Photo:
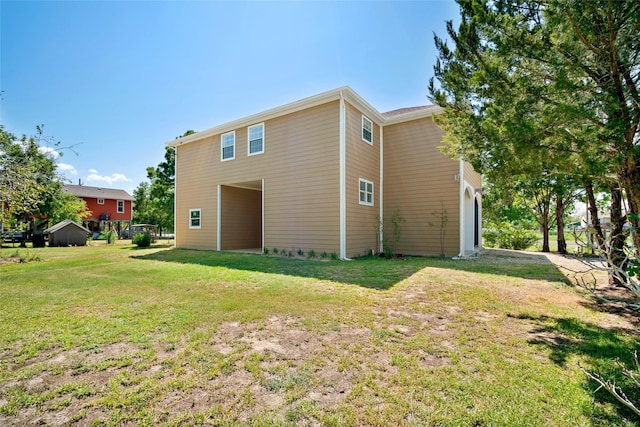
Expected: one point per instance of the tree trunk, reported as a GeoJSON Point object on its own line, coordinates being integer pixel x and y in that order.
{"type": "Point", "coordinates": [545, 232]}
{"type": "Point", "coordinates": [562, 243]}
{"type": "Point", "coordinates": [593, 213]}
{"type": "Point", "coordinates": [618, 236]}
{"type": "Point", "coordinates": [630, 179]}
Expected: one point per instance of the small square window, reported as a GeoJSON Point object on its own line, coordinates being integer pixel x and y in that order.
{"type": "Point", "coordinates": [101, 201]}
{"type": "Point", "coordinates": [194, 218]}
{"type": "Point", "coordinates": [366, 192]}
{"type": "Point", "coordinates": [228, 146]}
{"type": "Point", "coordinates": [367, 130]}
{"type": "Point", "coordinates": [256, 139]}
{"type": "Point", "coordinates": [120, 206]}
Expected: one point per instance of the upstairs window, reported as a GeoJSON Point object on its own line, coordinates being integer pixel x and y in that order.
{"type": "Point", "coordinates": [366, 192]}
{"type": "Point", "coordinates": [194, 218]}
{"type": "Point", "coordinates": [120, 206]}
{"type": "Point", "coordinates": [101, 201]}
{"type": "Point", "coordinates": [367, 130]}
{"type": "Point", "coordinates": [256, 139]}
{"type": "Point", "coordinates": [228, 146]}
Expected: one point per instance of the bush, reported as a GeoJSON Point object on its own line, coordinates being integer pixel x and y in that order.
{"type": "Point", "coordinates": [142, 240]}
{"type": "Point", "coordinates": [509, 236]}
{"type": "Point", "coordinates": [109, 235]}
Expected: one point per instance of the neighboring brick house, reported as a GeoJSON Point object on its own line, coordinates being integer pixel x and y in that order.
{"type": "Point", "coordinates": [109, 207]}
{"type": "Point", "coordinates": [321, 173]}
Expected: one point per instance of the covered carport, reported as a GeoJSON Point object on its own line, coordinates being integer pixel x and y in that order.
{"type": "Point", "coordinates": [240, 216]}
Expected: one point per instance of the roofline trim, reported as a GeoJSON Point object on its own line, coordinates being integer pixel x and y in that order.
{"type": "Point", "coordinates": [313, 101]}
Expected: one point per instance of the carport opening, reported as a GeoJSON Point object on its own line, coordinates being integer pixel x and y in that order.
{"type": "Point", "coordinates": [241, 217]}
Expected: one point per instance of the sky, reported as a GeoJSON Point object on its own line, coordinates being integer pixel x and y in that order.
{"type": "Point", "coordinates": [114, 81]}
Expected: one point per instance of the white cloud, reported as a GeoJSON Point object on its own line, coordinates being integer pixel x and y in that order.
{"type": "Point", "coordinates": [66, 168]}
{"type": "Point", "coordinates": [48, 151]}
{"type": "Point", "coordinates": [109, 179]}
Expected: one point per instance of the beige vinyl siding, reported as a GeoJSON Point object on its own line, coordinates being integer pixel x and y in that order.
{"type": "Point", "coordinates": [420, 181]}
{"type": "Point", "coordinates": [195, 190]}
{"type": "Point", "coordinates": [302, 192]}
{"type": "Point", "coordinates": [299, 167]}
{"type": "Point", "coordinates": [242, 218]}
{"type": "Point", "coordinates": [473, 178]}
{"type": "Point", "coordinates": [362, 161]}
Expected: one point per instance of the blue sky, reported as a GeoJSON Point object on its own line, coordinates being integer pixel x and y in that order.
{"type": "Point", "coordinates": [119, 79]}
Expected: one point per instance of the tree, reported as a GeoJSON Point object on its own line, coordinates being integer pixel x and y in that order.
{"type": "Point", "coordinates": [553, 80]}
{"type": "Point", "coordinates": [154, 200]}
{"type": "Point", "coordinates": [30, 188]}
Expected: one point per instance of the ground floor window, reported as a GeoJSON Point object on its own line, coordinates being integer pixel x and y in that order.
{"type": "Point", "coordinates": [194, 218]}
{"type": "Point", "coordinates": [366, 192]}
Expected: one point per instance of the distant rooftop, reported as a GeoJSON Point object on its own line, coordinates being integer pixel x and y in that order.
{"type": "Point", "coordinates": [97, 192]}
{"type": "Point", "coordinates": [401, 111]}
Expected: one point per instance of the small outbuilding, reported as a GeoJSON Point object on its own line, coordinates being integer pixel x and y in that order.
{"type": "Point", "coordinates": [67, 233]}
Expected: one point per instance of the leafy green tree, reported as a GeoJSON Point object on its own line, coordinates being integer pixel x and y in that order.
{"type": "Point", "coordinates": [553, 80]}
{"type": "Point", "coordinates": [30, 189]}
{"type": "Point", "coordinates": [154, 200]}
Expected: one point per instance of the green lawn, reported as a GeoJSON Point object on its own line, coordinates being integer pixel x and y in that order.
{"type": "Point", "coordinates": [117, 335]}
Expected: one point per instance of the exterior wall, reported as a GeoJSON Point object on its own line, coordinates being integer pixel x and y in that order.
{"type": "Point", "coordinates": [300, 169]}
{"type": "Point", "coordinates": [473, 178]}
{"type": "Point", "coordinates": [68, 236]}
{"type": "Point", "coordinates": [241, 218]}
{"type": "Point", "coordinates": [110, 207]}
{"type": "Point", "coordinates": [362, 161]}
{"type": "Point", "coordinates": [420, 182]}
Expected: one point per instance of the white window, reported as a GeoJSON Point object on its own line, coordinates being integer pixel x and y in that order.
{"type": "Point", "coordinates": [120, 206]}
{"type": "Point", "coordinates": [255, 136]}
{"type": "Point", "coordinates": [366, 192]}
{"type": "Point", "coordinates": [101, 201]}
{"type": "Point", "coordinates": [194, 218]}
{"type": "Point", "coordinates": [228, 144]}
{"type": "Point", "coordinates": [367, 130]}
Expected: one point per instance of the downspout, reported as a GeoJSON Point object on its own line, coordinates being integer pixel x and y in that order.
{"type": "Point", "coordinates": [461, 207]}
{"type": "Point", "coordinates": [381, 189]}
{"type": "Point", "coordinates": [219, 213]}
{"type": "Point", "coordinates": [262, 250]}
{"type": "Point", "coordinates": [175, 200]}
{"type": "Point", "coordinates": [343, 174]}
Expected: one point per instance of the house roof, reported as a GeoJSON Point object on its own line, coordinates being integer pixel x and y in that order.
{"type": "Point", "coordinates": [345, 92]}
{"type": "Point", "coordinates": [63, 224]}
{"type": "Point", "coordinates": [97, 192]}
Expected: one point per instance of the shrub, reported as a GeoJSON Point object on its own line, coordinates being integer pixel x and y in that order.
{"type": "Point", "coordinates": [142, 240]}
{"type": "Point", "coordinates": [334, 256]}
{"type": "Point", "coordinates": [300, 252]}
{"type": "Point", "coordinates": [509, 236]}
{"type": "Point", "coordinates": [324, 255]}
{"type": "Point", "coordinates": [266, 251]}
{"type": "Point", "coordinates": [275, 251]}
{"type": "Point", "coordinates": [109, 235]}
{"type": "Point", "coordinates": [311, 254]}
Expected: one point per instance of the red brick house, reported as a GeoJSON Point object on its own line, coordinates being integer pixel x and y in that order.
{"type": "Point", "coordinates": [109, 207]}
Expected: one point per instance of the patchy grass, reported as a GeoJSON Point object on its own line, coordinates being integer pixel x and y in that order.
{"type": "Point", "coordinates": [110, 335]}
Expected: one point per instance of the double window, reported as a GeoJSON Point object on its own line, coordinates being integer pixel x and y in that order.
{"type": "Point", "coordinates": [194, 218]}
{"type": "Point", "coordinates": [228, 146]}
{"type": "Point", "coordinates": [367, 130]}
{"type": "Point", "coordinates": [255, 136]}
{"type": "Point", "coordinates": [120, 208]}
{"type": "Point", "coordinates": [101, 201]}
{"type": "Point", "coordinates": [366, 192]}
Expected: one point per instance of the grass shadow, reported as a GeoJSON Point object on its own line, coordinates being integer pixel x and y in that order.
{"type": "Point", "coordinates": [370, 272]}
{"type": "Point", "coordinates": [597, 347]}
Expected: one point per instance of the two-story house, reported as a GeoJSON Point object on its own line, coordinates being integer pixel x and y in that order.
{"type": "Point", "coordinates": [109, 207]}
{"type": "Point", "coordinates": [323, 173]}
